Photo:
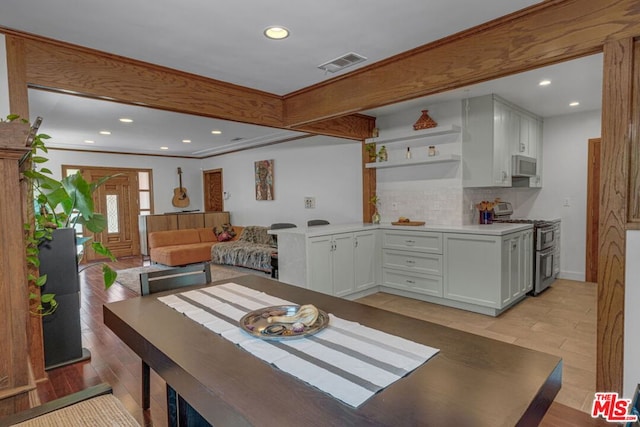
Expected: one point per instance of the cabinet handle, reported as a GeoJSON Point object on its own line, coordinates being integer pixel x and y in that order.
{"type": "Point", "coordinates": [355, 243]}
{"type": "Point", "coordinates": [410, 261]}
{"type": "Point", "coordinates": [411, 282]}
{"type": "Point", "coordinates": [410, 242]}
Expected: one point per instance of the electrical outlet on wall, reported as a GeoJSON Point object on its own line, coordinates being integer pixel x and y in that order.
{"type": "Point", "coordinates": [309, 202]}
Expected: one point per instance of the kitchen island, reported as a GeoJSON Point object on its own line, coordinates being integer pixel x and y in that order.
{"type": "Point", "coordinates": [481, 268]}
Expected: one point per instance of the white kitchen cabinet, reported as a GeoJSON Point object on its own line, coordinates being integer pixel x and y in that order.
{"type": "Point", "coordinates": [494, 131]}
{"type": "Point", "coordinates": [484, 269]}
{"type": "Point", "coordinates": [341, 264]}
{"type": "Point", "coordinates": [320, 264]}
{"type": "Point", "coordinates": [487, 270]}
{"type": "Point", "coordinates": [512, 280]}
{"type": "Point", "coordinates": [365, 259]}
{"type": "Point", "coordinates": [529, 141]}
{"type": "Point", "coordinates": [424, 241]}
{"type": "Point", "coordinates": [412, 282]}
{"type": "Point", "coordinates": [487, 132]}
{"type": "Point", "coordinates": [412, 261]}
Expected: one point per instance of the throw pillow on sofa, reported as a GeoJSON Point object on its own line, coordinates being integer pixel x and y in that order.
{"type": "Point", "coordinates": [226, 231]}
{"type": "Point", "coordinates": [225, 236]}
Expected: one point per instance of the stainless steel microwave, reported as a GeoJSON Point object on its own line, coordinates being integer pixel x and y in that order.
{"type": "Point", "coordinates": [523, 166]}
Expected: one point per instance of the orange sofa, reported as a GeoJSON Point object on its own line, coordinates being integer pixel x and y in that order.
{"type": "Point", "coordinates": [186, 246]}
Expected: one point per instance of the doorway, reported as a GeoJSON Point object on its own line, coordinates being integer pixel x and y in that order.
{"type": "Point", "coordinates": [213, 195]}
{"type": "Point", "coordinates": [593, 210]}
{"type": "Point", "coordinates": [118, 200]}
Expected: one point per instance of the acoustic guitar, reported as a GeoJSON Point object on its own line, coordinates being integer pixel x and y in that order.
{"type": "Point", "coordinates": [180, 198]}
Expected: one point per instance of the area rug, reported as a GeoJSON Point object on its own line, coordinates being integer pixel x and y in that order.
{"type": "Point", "coordinates": [130, 277]}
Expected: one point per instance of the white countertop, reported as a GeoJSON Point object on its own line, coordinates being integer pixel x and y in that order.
{"type": "Point", "coordinates": [495, 229]}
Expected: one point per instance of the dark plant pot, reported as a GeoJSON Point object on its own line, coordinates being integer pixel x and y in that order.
{"type": "Point", "coordinates": [61, 330]}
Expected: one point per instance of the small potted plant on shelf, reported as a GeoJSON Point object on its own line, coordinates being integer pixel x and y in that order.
{"type": "Point", "coordinates": [370, 148]}
{"type": "Point", "coordinates": [375, 218]}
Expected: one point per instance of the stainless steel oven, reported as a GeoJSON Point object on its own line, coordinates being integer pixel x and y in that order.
{"type": "Point", "coordinates": [544, 272]}
{"type": "Point", "coordinates": [545, 235]}
{"type": "Point", "coordinates": [546, 245]}
{"type": "Point", "coordinates": [547, 239]}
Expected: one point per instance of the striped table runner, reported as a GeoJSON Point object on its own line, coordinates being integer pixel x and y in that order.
{"type": "Point", "coordinates": [349, 361]}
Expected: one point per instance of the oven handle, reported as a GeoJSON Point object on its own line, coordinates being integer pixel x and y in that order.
{"type": "Point", "coordinates": [547, 251]}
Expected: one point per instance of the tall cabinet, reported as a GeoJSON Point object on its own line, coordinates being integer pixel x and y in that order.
{"type": "Point", "coordinates": [494, 131]}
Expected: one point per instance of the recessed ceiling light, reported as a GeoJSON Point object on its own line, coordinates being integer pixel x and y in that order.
{"type": "Point", "coordinates": [88, 141]}
{"type": "Point", "coordinates": [164, 148]}
{"type": "Point", "coordinates": [545, 83]}
{"type": "Point", "coordinates": [276, 33]}
{"type": "Point", "coordinates": [126, 120]}
{"type": "Point", "coordinates": [105, 132]}
{"type": "Point", "coordinates": [574, 104]}
{"type": "Point", "coordinates": [216, 132]}
{"type": "Point", "coordinates": [186, 141]}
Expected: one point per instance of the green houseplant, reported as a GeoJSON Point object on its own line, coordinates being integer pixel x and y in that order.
{"type": "Point", "coordinates": [375, 218]}
{"type": "Point", "coordinates": [61, 203]}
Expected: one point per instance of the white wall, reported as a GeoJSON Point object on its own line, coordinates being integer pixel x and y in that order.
{"type": "Point", "coordinates": [321, 167]}
{"type": "Point", "coordinates": [631, 367]}
{"type": "Point", "coordinates": [564, 177]}
{"type": "Point", "coordinates": [4, 79]}
{"type": "Point", "coordinates": [164, 170]}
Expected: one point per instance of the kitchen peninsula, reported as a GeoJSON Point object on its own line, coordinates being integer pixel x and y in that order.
{"type": "Point", "coordinates": [480, 268]}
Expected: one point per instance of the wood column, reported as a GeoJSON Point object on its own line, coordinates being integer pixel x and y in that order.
{"type": "Point", "coordinates": [616, 125]}
{"type": "Point", "coordinates": [14, 365]}
{"type": "Point", "coordinates": [369, 186]}
{"type": "Point", "coordinates": [19, 104]}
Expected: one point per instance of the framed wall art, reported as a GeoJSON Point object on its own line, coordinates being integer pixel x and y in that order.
{"type": "Point", "coordinates": [264, 179]}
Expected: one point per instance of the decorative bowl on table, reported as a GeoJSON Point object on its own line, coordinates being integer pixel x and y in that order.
{"type": "Point", "coordinates": [281, 322]}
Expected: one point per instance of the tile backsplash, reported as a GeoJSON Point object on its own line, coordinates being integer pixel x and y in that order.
{"type": "Point", "coordinates": [442, 205]}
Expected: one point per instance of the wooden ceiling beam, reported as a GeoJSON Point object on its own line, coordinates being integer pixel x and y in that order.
{"type": "Point", "coordinates": [547, 33]}
{"type": "Point", "coordinates": [354, 126]}
{"type": "Point", "coordinates": [88, 72]}
{"type": "Point", "coordinates": [61, 66]}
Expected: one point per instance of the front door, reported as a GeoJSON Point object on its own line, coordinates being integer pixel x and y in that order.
{"type": "Point", "coordinates": [117, 199]}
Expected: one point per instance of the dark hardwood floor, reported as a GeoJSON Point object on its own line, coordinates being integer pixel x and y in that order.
{"type": "Point", "coordinates": [114, 363]}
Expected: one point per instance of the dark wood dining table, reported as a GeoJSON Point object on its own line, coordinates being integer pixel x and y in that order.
{"type": "Point", "coordinates": [472, 381]}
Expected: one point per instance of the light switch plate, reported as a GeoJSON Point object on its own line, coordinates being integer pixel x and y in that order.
{"type": "Point", "coordinates": [309, 202]}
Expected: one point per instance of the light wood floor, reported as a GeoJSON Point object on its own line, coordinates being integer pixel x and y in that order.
{"type": "Point", "coordinates": [560, 321]}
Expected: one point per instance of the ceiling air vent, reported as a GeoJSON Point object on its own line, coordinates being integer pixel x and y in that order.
{"type": "Point", "coordinates": [344, 61]}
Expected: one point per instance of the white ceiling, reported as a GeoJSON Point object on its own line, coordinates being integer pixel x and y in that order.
{"type": "Point", "coordinates": [223, 40]}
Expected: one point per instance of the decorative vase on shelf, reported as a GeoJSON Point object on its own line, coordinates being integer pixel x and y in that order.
{"type": "Point", "coordinates": [375, 218]}
{"type": "Point", "coordinates": [424, 122]}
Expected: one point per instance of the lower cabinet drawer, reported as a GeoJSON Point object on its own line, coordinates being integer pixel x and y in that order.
{"type": "Point", "coordinates": [413, 261]}
{"type": "Point", "coordinates": [421, 283]}
{"type": "Point", "coordinates": [422, 241]}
